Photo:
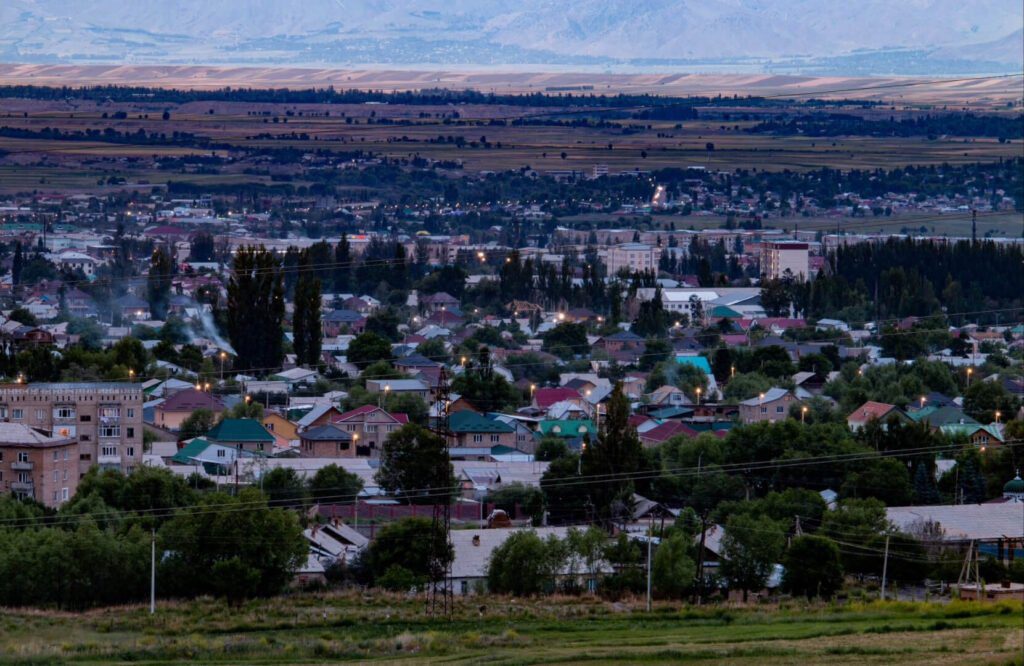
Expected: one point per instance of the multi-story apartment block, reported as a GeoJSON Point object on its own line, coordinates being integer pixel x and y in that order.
{"type": "Point", "coordinates": [634, 257]}
{"type": "Point", "coordinates": [105, 418]}
{"type": "Point", "coordinates": [779, 258]}
{"type": "Point", "coordinates": [36, 465]}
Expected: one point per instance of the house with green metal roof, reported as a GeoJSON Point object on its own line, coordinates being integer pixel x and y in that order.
{"type": "Point", "coordinates": [215, 459]}
{"type": "Point", "coordinates": [976, 433]}
{"type": "Point", "coordinates": [475, 430]}
{"type": "Point", "coordinates": [246, 434]}
{"type": "Point", "coordinates": [571, 430]}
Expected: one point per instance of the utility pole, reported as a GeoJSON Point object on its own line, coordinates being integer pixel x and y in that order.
{"type": "Point", "coordinates": [650, 538]}
{"type": "Point", "coordinates": [152, 572]}
{"type": "Point", "coordinates": [974, 225]}
{"type": "Point", "coordinates": [885, 566]}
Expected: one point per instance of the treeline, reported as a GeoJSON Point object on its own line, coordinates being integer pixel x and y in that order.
{"type": "Point", "coordinates": [951, 124]}
{"type": "Point", "coordinates": [96, 549]}
{"type": "Point", "coordinates": [110, 135]}
{"type": "Point", "coordinates": [425, 97]}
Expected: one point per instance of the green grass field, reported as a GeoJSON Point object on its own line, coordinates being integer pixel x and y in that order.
{"type": "Point", "coordinates": [328, 628]}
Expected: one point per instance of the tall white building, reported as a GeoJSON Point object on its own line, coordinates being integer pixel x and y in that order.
{"type": "Point", "coordinates": [777, 257]}
{"type": "Point", "coordinates": [637, 257]}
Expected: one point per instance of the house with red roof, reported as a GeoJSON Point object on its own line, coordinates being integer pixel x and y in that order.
{"type": "Point", "coordinates": [543, 398]}
{"type": "Point", "coordinates": [369, 426]}
{"type": "Point", "coordinates": [880, 411]}
{"type": "Point", "coordinates": [665, 432]}
{"type": "Point", "coordinates": [170, 413]}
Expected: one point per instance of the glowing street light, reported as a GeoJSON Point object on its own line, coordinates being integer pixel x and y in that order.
{"type": "Point", "coordinates": [923, 400]}
{"type": "Point", "coordinates": [803, 414]}
{"type": "Point", "coordinates": [698, 395]}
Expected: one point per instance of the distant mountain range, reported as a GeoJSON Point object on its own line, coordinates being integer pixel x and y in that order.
{"type": "Point", "coordinates": [811, 36]}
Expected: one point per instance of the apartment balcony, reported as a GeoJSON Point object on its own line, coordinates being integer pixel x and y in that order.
{"type": "Point", "coordinates": [109, 461]}
{"type": "Point", "coordinates": [27, 487]}
{"type": "Point", "coordinates": [22, 466]}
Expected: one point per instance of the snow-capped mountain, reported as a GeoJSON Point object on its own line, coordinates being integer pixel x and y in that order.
{"type": "Point", "coordinates": [605, 33]}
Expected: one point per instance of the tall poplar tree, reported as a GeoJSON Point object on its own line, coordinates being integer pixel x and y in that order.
{"type": "Point", "coordinates": [306, 327]}
{"type": "Point", "coordinates": [158, 283]}
{"type": "Point", "coordinates": [256, 309]}
{"type": "Point", "coordinates": [615, 456]}
{"type": "Point", "coordinates": [342, 266]}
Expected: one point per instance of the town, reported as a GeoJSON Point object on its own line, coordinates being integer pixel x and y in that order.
{"type": "Point", "coordinates": [332, 373]}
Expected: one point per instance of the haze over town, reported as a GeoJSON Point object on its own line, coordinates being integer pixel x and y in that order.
{"type": "Point", "coordinates": [377, 331]}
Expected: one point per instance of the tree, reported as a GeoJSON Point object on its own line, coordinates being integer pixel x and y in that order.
{"type": "Point", "coordinates": [655, 351]}
{"type": "Point", "coordinates": [283, 487]}
{"type": "Point", "coordinates": [342, 266]}
{"type": "Point", "coordinates": [335, 485]}
{"type": "Point", "coordinates": [158, 283]}
{"type": "Point", "coordinates": [750, 549]}
{"type": "Point", "coordinates": [250, 544]}
{"type": "Point", "coordinates": [925, 491]}
{"type": "Point", "coordinates": [256, 310]}
{"type": "Point", "coordinates": [17, 264]}
{"type": "Point", "coordinates": [306, 329]}
{"type": "Point", "coordinates": [414, 466]}
{"type": "Point", "coordinates": [197, 424]}
{"type": "Point", "coordinates": [672, 571]}
{"type": "Point", "coordinates": [551, 448]}
{"type": "Point", "coordinates": [745, 386]}
{"type": "Point", "coordinates": [652, 319]}
{"type": "Point", "coordinates": [860, 521]}
{"type": "Point", "coordinates": [22, 315]}
{"type": "Point", "coordinates": [367, 348]}
{"type": "Point", "coordinates": [516, 499]}
{"type": "Point", "coordinates": [202, 247]}
{"type": "Point", "coordinates": [812, 567]}
{"type": "Point", "coordinates": [616, 455]}
{"type": "Point", "coordinates": [524, 564]}
{"type": "Point", "coordinates": [408, 545]}
{"type": "Point", "coordinates": [566, 340]}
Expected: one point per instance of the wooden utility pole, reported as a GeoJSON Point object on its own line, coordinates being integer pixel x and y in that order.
{"type": "Point", "coordinates": [885, 566]}
{"type": "Point", "coordinates": [650, 538]}
{"type": "Point", "coordinates": [152, 572]}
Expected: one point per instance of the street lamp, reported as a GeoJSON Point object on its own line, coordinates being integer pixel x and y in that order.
{"type": "Point", "coordinates": [223, 357]}
{"type": "Point", "coordinates": [803, 414]}
{"type": "Point", "coordinates": [131, 375]}
{"type": "Point", "coordinates": [923, 400]}
{"type": "Point", "coordinates": [698, 395]}
{"type": "Point", "coordinates": [732, 372]}
{"type": "Point", "coordinates": [970, 371]}
{"type": "Point", "coordinates": [998, 414]}
{"type": "Point", "coordinates": [579, 461]}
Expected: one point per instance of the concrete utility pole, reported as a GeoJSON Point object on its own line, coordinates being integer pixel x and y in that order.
{"type": "Point", "coordinates": [152, 572]}
{"type": "Point", "coordinates": [650, 537]}
{"type": "Point", "coordinates": [885, 566]}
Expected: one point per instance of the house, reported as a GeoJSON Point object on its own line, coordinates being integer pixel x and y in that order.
{"type": "Point", "coordinates": [414, 387]}
{"type": "Point", "coordinates": [772, 405]}
{"type": "Point", "coordinates": [668, 396]}
{"type": "Point", "coordinates": [280, 426]}
{"type": "Point", "coordinates": [319, 414]}
{"type": "Point", "coordinates": [215, 459]}
{"type": "Point", "coordinates": [621, 341]}
{"type": "Point", "coordinates": [326, 441]}
{"type": "Point", "coordinates": [296, 377]}
{"type": "Point", "coordinates": [337, 322]}
{"type": "Point", "coordinates": [543, 398]}
{"type": "Point", "coordinates": [36, 465]}
{"type": "Point", "coordinates": [470, 429]}
{"type": "Point", "coordinates": [571, 431]}
{"type": "Point", "coordinates": [473, 548]}
{"type": "Point", "coordinates": [439, 301]}
{"type": "Point", "coordinates": [244, 434]}
{"type": "Point", "coordinates": [666, 431]}
{"type": "Point", "coordinates": [369, 426]}
{"type": "Point", "coordinates": [882, 412]}
{"type": "Point", "coordinates": [131, 308]}
{"type": "Point", "coordinates": [977, 434]}
{"type": "Point", "coordinates": [177, 407]}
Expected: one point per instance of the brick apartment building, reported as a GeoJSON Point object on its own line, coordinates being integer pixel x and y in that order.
{"type": "Point", "coordinates": [105, 418]}
{"type": "Point", "coordinates": [36, 465]}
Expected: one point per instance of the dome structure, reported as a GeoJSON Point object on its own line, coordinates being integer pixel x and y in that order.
{"type": "Point", "coordinates": [1014, 489]}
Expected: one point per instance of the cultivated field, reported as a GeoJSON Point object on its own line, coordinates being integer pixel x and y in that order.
{"type": "Point", "coordinates": [394, 629]}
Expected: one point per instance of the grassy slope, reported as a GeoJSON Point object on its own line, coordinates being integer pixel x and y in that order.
{"type": "Point", "coordinates": [327, 628]}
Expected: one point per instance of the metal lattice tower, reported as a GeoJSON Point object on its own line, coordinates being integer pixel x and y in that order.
{"type": "Point", "coordinates": [440, 563]}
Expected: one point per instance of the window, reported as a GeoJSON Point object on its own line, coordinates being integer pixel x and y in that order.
{"type": "Point", "coordinates": [478, 438]}
{"type": "Point", "coordinates": [130, 412]}
{"type": "Point", "coordinates": [22, 456]}
{"type": "Point", "coordinates": [65, 454]}
{"type": "Point", "coordinates": [64, 494]}
{"type": "Point", "coordinates": [110, 430]}
{"type": "Point", "coordinates": [17, 414]}
{"type": "Point", "coordinates": [109, 413]}
{"type": "Point", "coordinates": [40, 414]}
{"type": "Point", "coordinates": [131, 451]}
{"type": "Point", "coordinates": [55, 454]}
{"type": "Point", "coordinates": [64, 413]}
{"type": "Point", "coordinates": [129, 432]}
{"type": "Point", "coordinates": [370, 427]}
{"type": "Point", "coordinates": [65, 475]}
{"type": "Point", "coordinates": [66, 431]}
{"type": "Point", "coordinates": [85, 456]}
{"type": "Point", "coordinates": [85, 418]}
{"type": "Point", "coordinates": [764, 410]}
{"type": "Point", "coordinates": [495, 438]}
{"type": "Point", "coordinates": [220, 453]}
{"type": "Point", "coordinates": [269, 426]}
{"type": "Point", "coordinates": [24, 477]}
{"type": "Point", "coordinates": [56, 476]}
{"type": "Point", "coordinates": [1, 456]}
{"type": "Point", "coordinates": [108, 450]}
{"type": "Point", "coordinates": [780, 409]}
{"type": "Point", "coordinates": [84, 438]}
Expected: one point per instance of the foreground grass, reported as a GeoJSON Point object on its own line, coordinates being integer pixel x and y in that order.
{"type": "Point", "coordinates": [324, 628]}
